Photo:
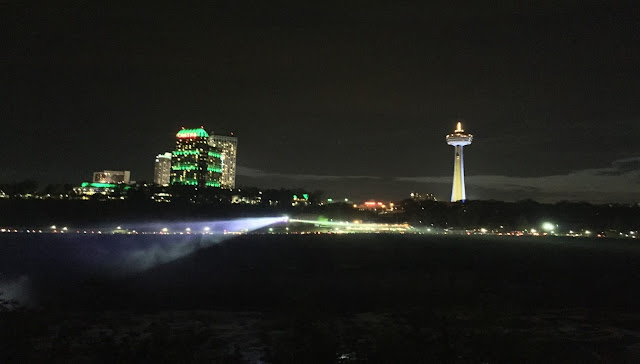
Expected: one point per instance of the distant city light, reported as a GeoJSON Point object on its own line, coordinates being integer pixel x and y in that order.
{"type": "Point", "coordinates": [547, 226]}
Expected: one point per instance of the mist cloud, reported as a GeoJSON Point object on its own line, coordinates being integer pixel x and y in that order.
{"type": "Point", "coordinates": [621, 179]}
{"type": "Point", "coordinates": [17, 292]}
{"type": "Point", "coordinates": [257, 173]}
{"type": "Point", "coordinates": [620, 182]}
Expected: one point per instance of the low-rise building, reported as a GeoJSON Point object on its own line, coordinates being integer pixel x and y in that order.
{"type": "Point", "coordinates": [112, 177]}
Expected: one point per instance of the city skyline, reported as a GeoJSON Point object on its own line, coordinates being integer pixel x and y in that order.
{"type": "Point", "coordinates": [350, 100]}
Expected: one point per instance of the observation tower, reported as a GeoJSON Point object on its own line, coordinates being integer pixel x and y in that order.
{"type": "Point", "coordinates": [458, 139]}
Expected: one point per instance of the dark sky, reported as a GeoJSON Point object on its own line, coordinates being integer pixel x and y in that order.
{"type": "Point", "coordinates": [354, 99]}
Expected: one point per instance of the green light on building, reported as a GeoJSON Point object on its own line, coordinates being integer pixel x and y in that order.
{"type": "Point", "coordinates": [188, 182]}
{"type": "Point", "coordinates": [184, 167]}
{"type": "Point", "coordinates": [192, 133]}
{"type": "Point", "coordinates": [195, 162]}
{"type": "Point", "coordinates": [99, 185]}
{"type": "Point", "coordinates": [186, 152]}
{"type": "Point", "coordinates": [104, 185]}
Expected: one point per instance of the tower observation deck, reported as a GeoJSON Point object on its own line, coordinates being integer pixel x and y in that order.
{"type": "Point", "coordinates": [458, 140]}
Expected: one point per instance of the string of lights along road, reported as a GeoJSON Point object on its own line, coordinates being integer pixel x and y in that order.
{"type": "Point", "coordinates": [458, 140]}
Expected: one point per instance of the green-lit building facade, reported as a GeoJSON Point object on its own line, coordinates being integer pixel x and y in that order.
{"type": "Point", "coordinates": [194, 162]}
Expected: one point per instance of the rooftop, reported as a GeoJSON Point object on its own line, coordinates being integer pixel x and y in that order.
{"type": "Point", "coordinates": [193, 133]}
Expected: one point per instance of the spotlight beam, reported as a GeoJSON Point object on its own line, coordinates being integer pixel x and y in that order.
{"type": "Point", "coordinates": [135, 256]}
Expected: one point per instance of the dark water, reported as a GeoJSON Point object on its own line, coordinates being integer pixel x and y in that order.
{"type": "Point", "coordinates": [319, 298]}
{"type": "Point", "coordinates": [363, 271]}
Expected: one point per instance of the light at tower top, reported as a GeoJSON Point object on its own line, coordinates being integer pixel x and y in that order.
{"type": "Point", "coordinates": [459, 137]}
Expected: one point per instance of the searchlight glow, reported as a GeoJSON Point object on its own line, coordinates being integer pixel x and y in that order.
{"type": "Point", "coordinates": [126, 257]}
{"type": "Point", "coordinates": [547, 226]}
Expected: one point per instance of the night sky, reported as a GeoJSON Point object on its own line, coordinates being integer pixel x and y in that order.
{"type": "Point", "coordinates": [354, 99]}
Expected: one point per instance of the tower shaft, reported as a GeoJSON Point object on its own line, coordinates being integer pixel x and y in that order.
{"type": "Point", "coordinates": [457, 191]}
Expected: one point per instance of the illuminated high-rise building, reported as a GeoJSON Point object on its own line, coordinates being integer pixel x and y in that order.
{"type": "Point", "coordinates": [194, 162]}
{"type": "Point", "coordinates": [228, 145]}
{"type": "Point", "coordinates": [458, 139]}
{"type": "Point", "coordinates": [162, 170]}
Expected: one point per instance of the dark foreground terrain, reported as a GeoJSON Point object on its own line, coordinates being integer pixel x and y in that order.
{"type": "Point", "coordinates": [319, 298]}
